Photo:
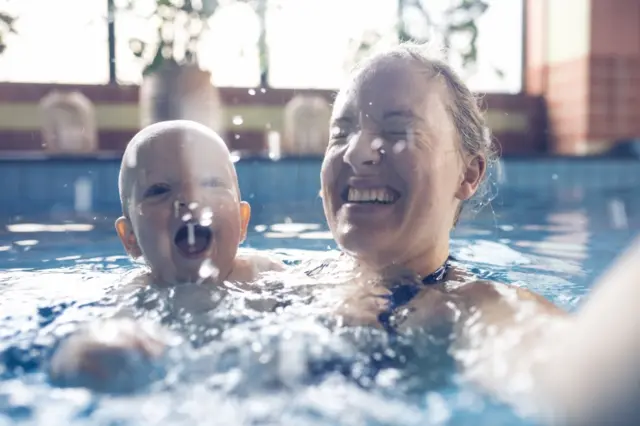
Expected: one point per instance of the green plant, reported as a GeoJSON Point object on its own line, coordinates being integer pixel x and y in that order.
{"type": "Point", "coordinates": [7, 26]}
{"type": "Point", "coordinates": [458, 20]}
{"type": "Point", "coordinates": [179, 24]}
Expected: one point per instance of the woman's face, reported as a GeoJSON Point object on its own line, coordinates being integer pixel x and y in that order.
{"type": "Point", "coordinates": [392, 176]}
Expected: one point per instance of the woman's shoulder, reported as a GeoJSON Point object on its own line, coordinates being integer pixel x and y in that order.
{"type": "Point", "coordinates": [486, 294]}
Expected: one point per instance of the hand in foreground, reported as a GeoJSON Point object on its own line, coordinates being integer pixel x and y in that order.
{"type": "Point", "coordinates": [117, 355]}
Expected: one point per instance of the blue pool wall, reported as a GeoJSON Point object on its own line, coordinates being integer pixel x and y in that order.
{"type": "Point", "coordinates": [41, 185]}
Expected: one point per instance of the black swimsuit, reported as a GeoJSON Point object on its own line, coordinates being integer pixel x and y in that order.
{"type": "Point", "coordinates": [403, 293]}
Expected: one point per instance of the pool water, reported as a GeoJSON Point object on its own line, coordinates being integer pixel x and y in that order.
{"type": "Point", "coordinates": [55, 276]}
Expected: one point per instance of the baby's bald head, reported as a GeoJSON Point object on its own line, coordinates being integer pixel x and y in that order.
{"type": "Point", "coordinates": [181, 202]}
{"type": "Point", "coordinates": [169, 150]}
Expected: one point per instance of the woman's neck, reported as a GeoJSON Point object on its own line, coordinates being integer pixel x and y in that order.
{"type": "Point", "coordinates": [422, 264]}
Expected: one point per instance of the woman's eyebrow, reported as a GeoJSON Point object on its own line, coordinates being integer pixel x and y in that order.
{"type": "Point", "coordinates": [401, 113]}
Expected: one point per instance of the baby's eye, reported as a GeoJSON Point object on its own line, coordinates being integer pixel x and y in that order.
{"type": "Point", "coordinates": [156, 190]}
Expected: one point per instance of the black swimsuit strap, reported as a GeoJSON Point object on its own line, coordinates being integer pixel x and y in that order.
{"type": "Point", "coordinates": [403, 293]}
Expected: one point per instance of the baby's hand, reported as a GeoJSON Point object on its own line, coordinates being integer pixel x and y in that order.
{"type": "Point", "coordinates": [112, 356]}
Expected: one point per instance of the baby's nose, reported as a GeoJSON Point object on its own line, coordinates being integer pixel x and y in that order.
{"type": "Point", "coordinates": [192, 211]}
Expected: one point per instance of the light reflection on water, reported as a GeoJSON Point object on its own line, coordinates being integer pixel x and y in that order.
{"type": "Point", "coordinates": [253, 367]}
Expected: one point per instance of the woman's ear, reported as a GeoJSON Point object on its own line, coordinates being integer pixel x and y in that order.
{"type": "Point", "coordinates": [245, 216]}
{"type": "Point", "coordinates": [128, 237]}
{"type": "Point", "coordinates": [472, 176]}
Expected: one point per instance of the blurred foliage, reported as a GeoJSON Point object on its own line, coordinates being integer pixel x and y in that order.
{"type": "Point", "coordinates": [458, 20]}
{"type": "Point", "coordinates": [179, 26]}
{"type": "Point", "coordinates": [7, 26]}
{"type": "Point", "coordinates": [260, 7]}
{"type": "Point", "coordinates": [175, 18]}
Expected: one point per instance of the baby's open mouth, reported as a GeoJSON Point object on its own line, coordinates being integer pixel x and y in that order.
{"type": "Point", "coordinates": [193, 239]}
{"type": "Point", "coordinates": [383, 195]}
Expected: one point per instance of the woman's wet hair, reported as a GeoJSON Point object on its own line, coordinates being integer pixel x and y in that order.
{"type": "Point", "coordinates": [464, 108]}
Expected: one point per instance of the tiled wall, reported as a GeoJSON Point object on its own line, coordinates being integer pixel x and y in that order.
{"type": "Point", "coordinates": [52, 187]}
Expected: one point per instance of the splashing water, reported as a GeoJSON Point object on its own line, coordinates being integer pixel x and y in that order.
{"type": "Point", "coordinates": [208, 270]}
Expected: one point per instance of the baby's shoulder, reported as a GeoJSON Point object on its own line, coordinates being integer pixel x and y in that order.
{"type": "Point", "coordinates": [250, 263]}
{"type": "Point", "coordinates": [260, 261]}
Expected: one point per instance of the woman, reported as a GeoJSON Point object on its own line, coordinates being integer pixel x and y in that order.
{"type": "Point", "coordinates": [408, 149]}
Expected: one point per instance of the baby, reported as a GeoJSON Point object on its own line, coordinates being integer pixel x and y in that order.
{"type": "Point", "coordinates": [182, 213]}
{"type": "Point", "coordinates": [181, 207]}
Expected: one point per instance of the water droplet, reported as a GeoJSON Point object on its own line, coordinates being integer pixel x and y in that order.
{"type": "Point", "coordinates": [554, 176]}
{"type": "Point", "coordinates": [193, 205]}
{"type": "Point", "coordinates": [618, 213]}
{"type": "Point", "coordinates": [191, 234]}
{"type": "Point", "coordinates": [263, 90]}
{"type": "Point", "coordinates": [376, 144]}
{"type": "Point", "coordinates": [260, 228]}
{"type": "Point", "coordinates": [186, 217]}
{"type": "Point", "coordinates": [207, 217]}
{"type": "Point", "coordinates": [399, 146]}
{"type": "Point", "coordinates": [237, 120]}
{"type": "Point", "coordinates": [252, 92]}
{"type": "Point", "coordinates": [273, 145]}
{"type": "Point", "coordinates": [382, 152]}
{"type": "Point", "coordinates": [131, 159]}
{"type": "Point", "coordinates": [235, 157]}
{"type": "Point", "coordinates": [236, 136]}
{"type": "Point", "coordinates": [208, 270]}
{"type": "Point", "coordinates": [370, 103]}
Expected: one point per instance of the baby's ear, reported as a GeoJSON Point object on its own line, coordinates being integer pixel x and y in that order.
{"type": "Point", "coordinates": [128, 237]}
{"type": "Point", "coordinates": [245, 215]}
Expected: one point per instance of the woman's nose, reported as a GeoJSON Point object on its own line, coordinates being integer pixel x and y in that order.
{"type": "Point", "coordinates": [363, 150]}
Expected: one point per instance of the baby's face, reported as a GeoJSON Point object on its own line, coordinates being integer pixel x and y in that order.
{"type": "Point", "coordinates": [185, 210]}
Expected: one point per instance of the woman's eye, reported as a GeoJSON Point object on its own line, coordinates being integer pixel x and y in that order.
{"type": "Point", "coordinates": [156, 190]}
{"type": "Point", "coordinates": [396, 134]}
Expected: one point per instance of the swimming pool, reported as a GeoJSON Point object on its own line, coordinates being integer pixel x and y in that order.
{"type": "Point", "coordinates": [56, 271]}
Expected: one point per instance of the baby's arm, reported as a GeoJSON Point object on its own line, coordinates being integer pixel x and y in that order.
{"type": "Point", "coordinates": [114, 354]}
{"type": "Point", "coordinates": [249, 265]}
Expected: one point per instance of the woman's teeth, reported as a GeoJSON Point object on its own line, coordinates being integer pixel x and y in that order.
{"type": "Point", "coordinates": [375, 195]}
